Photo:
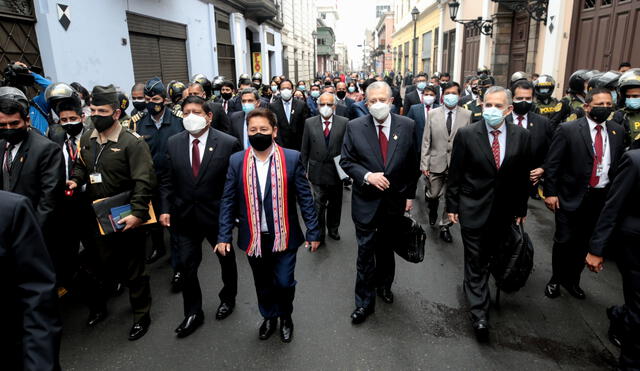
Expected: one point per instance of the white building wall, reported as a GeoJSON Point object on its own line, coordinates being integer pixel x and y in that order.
{"type": "Point", "coordinates": [299, 18]}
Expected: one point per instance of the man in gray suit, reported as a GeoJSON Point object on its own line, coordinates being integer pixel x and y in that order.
{"type": "Point", "coordinates": [321, 142]}
{"type": "Point", "coordinates": [437, 142]}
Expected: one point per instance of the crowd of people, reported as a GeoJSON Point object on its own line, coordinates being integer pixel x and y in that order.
{"type": "Point", "coordinates": [195, 160]}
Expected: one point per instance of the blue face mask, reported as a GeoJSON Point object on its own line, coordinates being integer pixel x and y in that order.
{"type": "Point", "coordinates": [421, 85]}
{"type": "Point", "coordinates": [315, 93]}
{"type": "Point", "coordinates": [632, 103]}
{"type": "Point", "coordinates": [450, 100]}
{"type": "Point", "coordinates": [274, 88]}
{"type": "Point", "coordinates": [352, 89]}
{"type": "Point", "coordinates": [614, 96]}
{"type": "Point", "coordinates": [248, 107]}
{"type": "Point", "coordinates": [301, 87]}
{"type": "Point", "coordinates": [492, 116]}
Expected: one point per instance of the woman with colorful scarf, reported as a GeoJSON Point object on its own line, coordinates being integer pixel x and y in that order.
{"type": "Point", "coordinates": [263, 184]}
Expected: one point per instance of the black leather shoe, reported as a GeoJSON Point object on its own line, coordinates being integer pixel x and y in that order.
{"type": "Point", "coordinates": [445, 235]}
{"type": "Point", "coordinates": [267, 328]}
{"type": "Point", "coordinates": [385, 294]}
{"type": "Point", "coordinates": [286, 330]}
{"type": "Point", "coordinates": [575, 291]}
{"type": "Point", "coordinates": [360, 315]}
{"type": "Point", "coordinates": [177, 282]}
{"type": "Point", "coordinates": [224, 310]}
{"type": "Point", "coordinates": [155, 255]}
{"type": "Point", "coordinates": [481, 329]}
{"type": "Point", "coordinates": [334, 236]}
{"type": "Point", "coordinates": [190, 324]}
{"type": "Point", "coordinates": [140, 328]}
{"type": "Point", "coordinates": [552, 290]}
{"type": "Point", "coordinates": [614, 335]}
{"type": "Point", "coordinates": [96, 317]}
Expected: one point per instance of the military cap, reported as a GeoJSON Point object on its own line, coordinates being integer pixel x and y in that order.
{"type": "Point", "coordinates": [155, 87]}
{"type": "Point", "coordinates": [104, 95]}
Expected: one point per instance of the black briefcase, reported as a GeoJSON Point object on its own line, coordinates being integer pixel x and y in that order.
{"type": "Point", "coordinates": [410, 245]}
{"type": "Point", "coordinates": [512, 265]}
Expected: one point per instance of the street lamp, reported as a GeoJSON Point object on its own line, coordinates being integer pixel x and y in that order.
{"type": "Point", "coordinates": [484, 25]}
{"type": "Point", "coordinates": [314, 34]}
{"type": "Point", "coordinates": [414, 14]}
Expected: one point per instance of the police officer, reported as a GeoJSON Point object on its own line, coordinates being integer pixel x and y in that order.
{"type": "Point", "coordinates": [114, 160]}
{"type": "Point", "coordinates": [518, 76]}
{"type": "Point", "coordinates": [475, 106]}
{"type": "Point", "coordinates": [204, 82]}
{"type": "Point", "coordinates": [576, 94]}
{"type": "Point", "coordinates": [256, 80]}
{"type": "Point", "coordinates": [546, 105]}
{"type": "Point", "coordinates": [217, 86]}
{"type": "Point", "coordinates": [607, 80]}
{"type": "Point", "coordinates": [175, 91]}
{"type": "Point", "coordinates": [123, 101]}
{"type": "Point", "coordinates": [137, 99]}
{"type": "Point", "coordinates": [629, 115]}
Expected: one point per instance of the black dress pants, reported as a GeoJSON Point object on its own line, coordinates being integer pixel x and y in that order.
{"type": "Point", "coordinates": [328, 201]}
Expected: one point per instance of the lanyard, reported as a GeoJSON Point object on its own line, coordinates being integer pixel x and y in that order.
{"type": "Point", "coordinates": [97, 155]}
{"type": "Point", "coordinates": [72, 154]}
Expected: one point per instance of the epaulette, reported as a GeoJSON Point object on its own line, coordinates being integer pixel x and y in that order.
{"type": "Point", "coordinates": [138, 116]}
{"type": "Point", "coordinates": [177, 111]}
{"type": "Point", "coordinates": [138, 136]}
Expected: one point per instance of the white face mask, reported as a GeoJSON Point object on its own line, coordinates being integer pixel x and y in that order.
{"type": "Point", "coordinates": [380, 110]}
{"type": "Point", "coordinates": [429, 99]}
{"type": "Point", "coordinates": [326, 111]}
{"type": "Point", "coordinates": [286, 94]}
{"type": "Point", "coordinates": [194, 123]}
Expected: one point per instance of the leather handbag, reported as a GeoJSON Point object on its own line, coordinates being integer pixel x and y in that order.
{"type": "Point", "coordinates": [412, 240]}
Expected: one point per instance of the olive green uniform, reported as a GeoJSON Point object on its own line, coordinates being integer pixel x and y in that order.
{"type": "Point", "coordinates": [576, 107]}
{"type": "Point", "coordinates": [556, 111]}
{"type": "Point", "coordinates": [475, 108]}
{"type": "Point", "coordinates": [630, 120]}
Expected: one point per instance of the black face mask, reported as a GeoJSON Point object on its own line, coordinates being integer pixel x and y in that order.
{"type": "Point", "coordinates": [600, 114]}
{"type": "Point", "coordinates": [73, 129]}
{"type": "Point", "coordinates": [522, 108]}
{"type": "Point", "coordinates": [481, 92]}
{"type": "Point", "coordinates": [341, 94]}
{"type": "Point", "coordinates": [139, 106]}
{"type": "Point", "coordinates": [226, 96]}
{"type": "Point", "coordinates": [13, 136]}
{"type": "Point", "coordinates": [102, 123]}
{"type": "Point", "coordinates": [154, 108]}
{"type": "Point", "coordinates": [260, 142]}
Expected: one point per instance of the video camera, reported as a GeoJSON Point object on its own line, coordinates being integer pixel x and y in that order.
{"type": "Point", "coordinates": [17, 76]}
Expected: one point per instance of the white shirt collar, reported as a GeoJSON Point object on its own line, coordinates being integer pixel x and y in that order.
{"type": "Point", "coordinates": [330, 119]}
{"type": "Point", "coordinates": [273, 148]}
{"type": "Point", "coordinates": [386, 123]}
{"type": "Point", "coordinates": [202, 139]}
{"type": "Point", "coordinates": [592, 124]}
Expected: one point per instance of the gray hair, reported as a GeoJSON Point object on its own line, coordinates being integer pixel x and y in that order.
{"type": "Point", "coordinates": [379, 85]}
{"type": "Point", "coordinates": [500, 89]}
{"type": "Point", "coordinates": [250, 91]}
{"type": "Point", "coordinates": [328, 94]}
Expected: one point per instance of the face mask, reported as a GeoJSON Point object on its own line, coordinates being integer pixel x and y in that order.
{"type": "Point", "coordinates": [522, 107]}
{"type": "Point", "coordinates": [216, 93]}
{"type": "Point", "coordinates": [481, 92]}
{"type": "Point", "coordinates": [450, 100]}
{"type": "Point", "coordinates": [301, 87]}
{"type": "Point", "coordinates": [102, 123]}
{"type": "Point", "coordinates": [226, 96]}
{"type": "Point", "coordinates": [260, 142]}
{"type": "Point", "coordinates": [326, 111]}
{"type": "Point", "coordinates": [421, 85]}
{"type": "Point", "coordinates": [315, 93]}
{"type": "Point", "coordinates": [632, 103]}
{"type": "Point", "coordinates": [341, 94]}
{"type": "Point", "coordinates": [82, 104]}
{"type": "Point", "coordinates": [13, 136]}
{"type": "Point", "coordinates": [139, 105]}
{"type": "Point", "coordinates": [474, 90]}
{"type": "Point", "coordinates": [429, 99]}
{"type": "Point", "coordinates": [614, 96]}
{"type": "Point", "coordinates": [274, 88]}
{"type": "Point", "coordinates": [194, 123]}
{"type": "Point", "coordinates": [154, 108]}
{"type": "Point", "coordinates": [248, 107]}
{"type": "Point", "coordinates": [380, 110]}
{"type": "Point", "coordinates": [73, 128]}
{"type": "Point", "coordinates": [492, 116]}
{"type": "Point", "coordinates": [600, 114]}
{"type": "Point", "coordinates": [256, 86]}
{"type": "Point", "coordinates": [352, 89]}
{"type": "Point", "coordinates": [286, 94]}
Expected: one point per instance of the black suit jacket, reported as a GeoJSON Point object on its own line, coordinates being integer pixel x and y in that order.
{"type": "Point", "coordinates": [476, 189]}
{"type": "Point", "coordinates": [38, 173]}
{"type": "Point", "coordinates": [541, 133]}
{"type": "Point", "coordinates": [318, 153]}
{"type": "Point", "coordinates": [569, 163]}
{"type": "Point", "coordinates": [410, 99]}
{"type": "Point", "coordinates": [237, 127]}
{"type": "Point", "coordinates": [361, 154]}
{"type": "Point", "coordinates": [195, 201]}
{"type": "Point", "coordinates": [290, 132]}
{"type": "Point", "coordinates": [220, 119]}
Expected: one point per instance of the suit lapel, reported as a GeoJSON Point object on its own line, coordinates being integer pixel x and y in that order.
{"type": "Point", "coordinates": [333, 136]}
{"type": "Point", "coordinates": [393, 142]}
{"type": "Point", "coordinates": [184, 153]}
{"type": "Point", "coordinates": [614, 141]}
{"type": "Point", "coordinates": [371, 137]}
{"type": "Point", "coordinates": [19, 159]}
{"type": "Point", "coordinates": [209, 149]}
{"type": "Point", "coordinates": [483, 138]}
{"type": "Point", "coordinates": [510, 143]}
{"type": "Point", "coordinates": [586, 136]}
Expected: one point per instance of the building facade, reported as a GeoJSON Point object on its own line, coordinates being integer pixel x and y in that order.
{"type": "Point", "coordinates": [299, 18]}
{"type": "Point", "coordinates": [384, 36]}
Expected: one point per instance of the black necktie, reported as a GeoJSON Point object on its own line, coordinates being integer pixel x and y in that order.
{"type": "Point", "coordinates": [72, 151]}
{"type": "Point", "coordinates": [449, 114]}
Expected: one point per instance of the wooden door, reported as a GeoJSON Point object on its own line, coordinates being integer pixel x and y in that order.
{"type": "Point", "coordinates": [519, 42]}
{"type": "Point", "coordinates": [471, 50]}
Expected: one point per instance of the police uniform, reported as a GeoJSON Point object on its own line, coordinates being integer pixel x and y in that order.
{"type": "Point", "coordinates": [575, 105]}
{"type": "Point", "coordinates": [556, 111]}
{"type": "Point", "coordinates": [476, 110]}
{"type": "Point", "coordinates": [630, 120]}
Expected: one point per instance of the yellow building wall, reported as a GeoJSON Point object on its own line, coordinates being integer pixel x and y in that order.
{"type": "Point", "coordinates": [428, 20]}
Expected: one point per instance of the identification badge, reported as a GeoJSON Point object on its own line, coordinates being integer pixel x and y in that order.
{"type": "Point", "coordinates": [599, 170]}
{"type": "Point", "coordinates": [95, 178]}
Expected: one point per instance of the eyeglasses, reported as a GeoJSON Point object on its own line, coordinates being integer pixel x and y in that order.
{"type": "Point", "coordinates": [325, 104]}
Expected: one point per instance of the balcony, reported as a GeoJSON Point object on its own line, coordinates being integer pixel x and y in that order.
{"type": "Point", "coordinates": [261, 10]}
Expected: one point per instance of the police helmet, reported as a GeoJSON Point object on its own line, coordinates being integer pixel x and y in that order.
{"type": "Point", "coordinates": [484, 79]}
{"type": "Point", "coordinates": [577, 80]}
{"type": "Point", "coordinates": [257, 76]}
{"type": "Point", "coordinates": [14, 94]}
{"type": "Point", "coordinates": [543, 86]}
{"type": "Point", "coordinates": [628, 80]}
{"type": "Point", "coordinates": [519, 76]}
{"type": "Point", "coordinates": [607, 80]}
{"type": "Point", "coordinates": [175, 91]}
{"type": "Point", "coordinates": [217, 82]}
{"type": "Point", "coordinates": [590, 74]}
{"type": "Point", "coordinates": [58, 92]}
{"type": "Point", "coordinates": [484, 70]}
{"type": "Point", "coordinates": [204, 82]}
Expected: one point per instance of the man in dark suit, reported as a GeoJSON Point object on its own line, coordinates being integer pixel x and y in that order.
{"type": "Point", "coordinates": [264, 186]}
{"type": "Point", "coordinates": [190, 193]}
{"type": "Point", "coordinates": [341, 97]}
{"type": "Point", "coordinates": [539, 127]}
{"type": "Point", "coordinates": [250, 100]}
{"type": "Point", "coordinates": [416, 96]}
{"type": "Point", "coordinates": [291, 114]}
{"type": "Point", "coordinates": [617, 233]}
{"type": "Point", "coordinates": [578, 170]}
{"type": "Point", "coordinates": [220, 119]}
{"type": "Point", "coordinates": [420, 112]}
{"type": "Point", "coordinates": [380, 155]}
{"type": "Point", "coordinates": [31, 334]}
{"type": "Point", "coordinates": [32, 165]}
{"type": "Point", "coordinates": [321, 142]}
{"type": "Point", "coordinates": [487, 191]}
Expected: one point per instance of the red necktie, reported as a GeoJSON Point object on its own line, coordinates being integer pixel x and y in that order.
{"type": "Point", "coordinates": [520, 118]}
{"type": "Point", "coordinates": [597, 160]}
{"type": "Point", "coordinates": [495, 147]}
{"type": "Point", "coordinates": [195, 158]}
{"type": "Point", "coordinates": [384, 143]}
{"type": "Point", "coordinates": [225, 106]}
{"type": "Point", "coordinates": [326, 128]}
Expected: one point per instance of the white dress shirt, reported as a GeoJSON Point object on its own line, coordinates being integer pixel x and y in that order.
{"type": "Point", "coordinates": [386, 129]}
{"type": "Point", "coordinates": [201, 145]}
{"type": "Point", "coordinates": [286, 105]}
{"type": "Point", "coordinates": [245, 136]}
{"type": "Point", "coordinates": [14, 151]}
{"type": "Point", "coordinates": [525, 119]}
{"type": "Point", "coordinates": [606, 152]}
{"type": "Point", "coordinates": [262, 170]}
{"type": "Point", "coordinates": [502, 139]}
{"type": "Point", "coordinates": [330, 119]}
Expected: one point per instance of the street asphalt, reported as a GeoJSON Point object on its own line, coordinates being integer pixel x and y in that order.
{"type": "Point", "coordinates": [426, 328]}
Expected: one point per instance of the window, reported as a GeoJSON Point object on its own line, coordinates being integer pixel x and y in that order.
{"type": "Point", "coordinates": [426, 52]}
{"type": "Point", "coordinates": [588, 4]}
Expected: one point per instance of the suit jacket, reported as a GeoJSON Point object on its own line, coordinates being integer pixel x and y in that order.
{"type": "Point", "coordinates": [477, 190]}
{"type": "Point", "coordinates": [622, 209]}
{"type": "Point", "coordinates": [569, 162]}
{"type": "Point", "coordinates": [437, 143]}
{"type": "Point", "coordinates": [220, 118]}
{"type": "Point", "coordinates": [541, 132]}
{"type": "Point", "coordinates": [157, 138]}
{"type": "Point", "coordinates": [361, 154]}
{"type": "Point", "coordinates": [234, 206]}
{"type": "Point", "coordinates": [397, 99]}
{"type": "Point", "coordinates": [38, 173]}
{"type": "Point", "coordinates": [31, 338]}
{"type": "Point", "coordinates": [416, 113]}
{"type": "Point", "coordinates": [318, 152]}
{"type": "Point", "coordinates": [343, 110]}
{"type": "Point", "coordinates": [410, 98]}
{"type": "Point", "coordinates": [290, 131]}
{"type": "Point", "coordinates": [195, 201]}
{"type": "Point", "coordinates": [237, 127]}
{"type": "Point", "coordinates": [235, 104]}
{"type": "Point", "coordinates": [358, 109]}
{"type": "Point", "coordinates": [347, 102]}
